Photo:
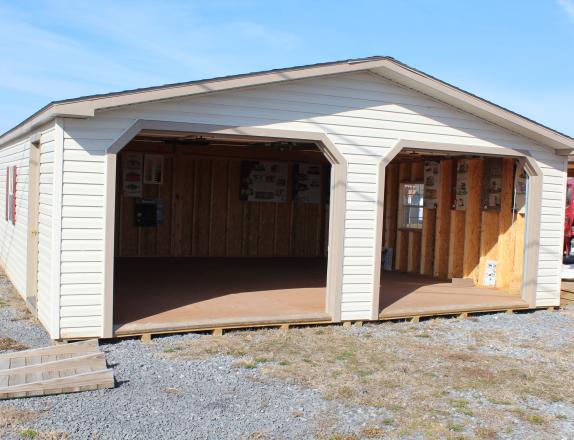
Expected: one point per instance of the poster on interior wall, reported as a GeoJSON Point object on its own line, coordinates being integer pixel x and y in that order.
{"type": "Point", "coordinates": [489, 278]}
{"type": "Point", "coordinates": [307, 183]}
{"type": "Point", "coordinates": [461, 191]}
{"type": "Point", "coordinates": [132, 164]}
{"type": "Point", "coordinates": [520, 181]}
{"type": "Point", "coordinates": [431, 176]}
{"type": "Point", "coordinates": [153, 169]}
{"type": "Point", "coordinates": [263, 181]}
{"type": "Point", "coordinates": [492, 184]}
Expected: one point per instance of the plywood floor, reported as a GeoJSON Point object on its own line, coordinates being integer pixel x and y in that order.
{"type": "Point", "coordinates": [167, 294]}
{"type": "Point", "coordinates": [156, 294]}
{"type": "Point", "coordinates": [404, 294]}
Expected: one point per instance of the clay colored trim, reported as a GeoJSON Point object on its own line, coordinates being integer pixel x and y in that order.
{"type": "Point", "coordinates": [532, 232]}
{"type": "Point", "coordinates": [336, 214]}
{"type": "Point", "coordinates": [32, 227]}
{"type": "Point", "coordinates": [386, 67]}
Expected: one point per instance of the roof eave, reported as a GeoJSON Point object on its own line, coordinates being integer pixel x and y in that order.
{"type": "Point", "coordinates": [469, 103]}
{"type": "Point", "coordinates": [384, 66]}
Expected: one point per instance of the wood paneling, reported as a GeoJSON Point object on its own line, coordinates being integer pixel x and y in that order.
{"type": "Point", "coordinates": [414, 251]}
{"type": "Point", "coordinates": [505, 265]}
{"type": "Point", "coordinates": [402, 240]}
{"type": "Point", "coordinates": [472, 220]}
{"type": "Point", "coordinates": [204, 216]}
{"type": "Point", "coordinates": [428, 242]}
{"type": "Point", "coordinates": [488, 242]}
{"type": "Point", "coordinates": [456, 244]}
{"type": "Point", "coordinates": [443, 220]}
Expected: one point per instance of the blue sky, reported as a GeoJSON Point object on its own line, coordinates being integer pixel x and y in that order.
{"type": "Point", "coordinates": [519, 54]}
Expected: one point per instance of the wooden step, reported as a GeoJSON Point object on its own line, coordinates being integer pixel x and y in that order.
{"type": "Point", "coordinates": [75, 348]}
{"type": "Point", "coordinates": [62, 368]}
{"type": "Point", "coordinates": [70, 384]}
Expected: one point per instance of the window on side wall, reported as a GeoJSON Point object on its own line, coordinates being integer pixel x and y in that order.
{"type": "Point", "coordinates": [411, 205]}
{"type": "Point", "coordinates": [11, 175]}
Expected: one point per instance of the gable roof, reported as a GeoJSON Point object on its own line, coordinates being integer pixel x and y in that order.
{"type": "Point", "coordinates": [387, 67]}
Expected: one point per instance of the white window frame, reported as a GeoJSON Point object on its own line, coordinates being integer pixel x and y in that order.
{"type": "Point", "coordinates": [403, 187]}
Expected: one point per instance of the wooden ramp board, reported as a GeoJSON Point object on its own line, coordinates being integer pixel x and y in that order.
{"type": "Point", "coordinates": [66, 368]}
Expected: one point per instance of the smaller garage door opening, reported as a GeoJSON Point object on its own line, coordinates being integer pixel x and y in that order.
{"type": "Point", "coordinates": [219, 232]}
{"type": "Point", "coordinates": [453, 234]}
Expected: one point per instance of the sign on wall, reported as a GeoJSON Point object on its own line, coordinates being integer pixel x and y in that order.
{"type": "Point", "coordinates": [461, 191]}
{"type": "Point", "coordinates": [520, 185]}
{"type": "Point", "coordinates": [489, 278]}
{"type": "Point", "coordinates": [431, 176]}
{"type": "Point", "coordinates": [153, 169]}
{"type": "Point", "coordinates": [492, 184]}
{"type": "Point", "coordinates": [132, 174]}
{"type": "Point", "coordinates": [307, 183]}
{"type": "Point", "coordinates": [263, 181]}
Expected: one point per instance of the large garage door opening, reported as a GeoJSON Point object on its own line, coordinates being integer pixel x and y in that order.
{"type": "Point", "coordinates": [219, 233]}
{"type": "Point", "coordinates": [453, 234]}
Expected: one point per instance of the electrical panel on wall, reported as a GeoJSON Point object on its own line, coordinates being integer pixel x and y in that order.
{"type": "Point", "coordinates": [148, 213]}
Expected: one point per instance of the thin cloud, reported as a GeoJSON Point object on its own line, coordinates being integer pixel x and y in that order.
{"type": "Point", "coordinates": [568, 6]}
{"type": "Point", "coordinates": [63, 49]}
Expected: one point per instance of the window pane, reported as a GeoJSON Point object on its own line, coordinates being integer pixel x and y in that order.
{"type": "Point", "coordinates": [412, 203]}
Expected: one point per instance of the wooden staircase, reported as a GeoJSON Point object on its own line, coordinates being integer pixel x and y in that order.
{"type": "Point", "coordinates": [66, 368]}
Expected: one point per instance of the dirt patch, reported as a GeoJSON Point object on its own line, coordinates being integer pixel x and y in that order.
{"type": "Point", "coordinates": [17, 421]}
{"type": "Point", "coordinates": [415, 379]}
{"type": "Point", "coordinates": [13, 419]}
{"type": "Point", "coordinates": [10, 298]}
{"type": "Point", "coordinates": [11, 344]}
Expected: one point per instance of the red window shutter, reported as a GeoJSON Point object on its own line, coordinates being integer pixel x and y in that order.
{"type": "Point", "coordinates": [7, 191]}
{"type": "Point", "coordinates": [14, 196]}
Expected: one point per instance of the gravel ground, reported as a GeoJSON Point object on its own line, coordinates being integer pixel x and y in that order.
{"type": "Point", "coordinates": [158, 397]}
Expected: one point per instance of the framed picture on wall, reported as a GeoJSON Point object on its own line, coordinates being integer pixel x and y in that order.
{"type": "Point", "coordinates": [263, 181]}
{"type": "Point", "coordinates": [431, 176]}
{"type": "Point", "coordinates": [461, 185]}
{"type": "Point", "coordinates": [307, 183]}
{"type": "Point", "coordinates": [153, 169]}
{"type": "Point", "coordinates": [492, 184]}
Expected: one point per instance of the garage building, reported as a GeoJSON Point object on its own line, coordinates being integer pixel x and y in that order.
{"type": "Point", "coordinates": [348, 191]}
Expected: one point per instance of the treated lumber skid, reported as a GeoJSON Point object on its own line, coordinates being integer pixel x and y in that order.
{"type": "Point", "coordinates": [412, 317]}
{"type": "Point", "coordinates": [148, 334]}
{"type": "Point", "coordinates": [63, 368]}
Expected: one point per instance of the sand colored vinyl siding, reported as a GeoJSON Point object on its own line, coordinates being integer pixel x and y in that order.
{"type": "Point", "coordinates": [551, 228]}
{"type": "Point", "coordinates": [363, 114]}
{"type": "Point", "coordinates": [82, 237]}
{"type": "Point", "coordinates": [45, 228]}
{"type": "Point", "coordinates": [13, 238]}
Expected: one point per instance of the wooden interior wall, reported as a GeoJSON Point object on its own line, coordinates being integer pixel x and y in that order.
{"type": "Point", "coordinates": [204, 216]}
{"type": "Point", "coordinates": [457, 244]}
